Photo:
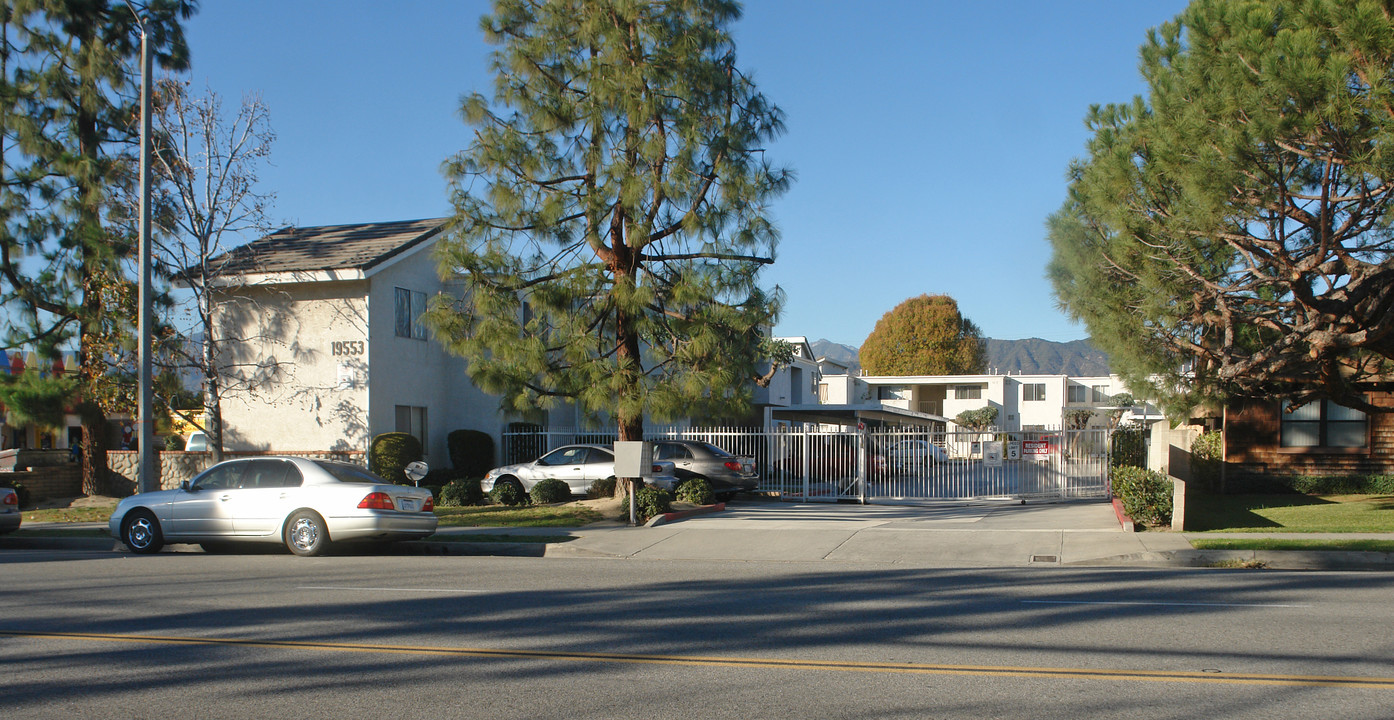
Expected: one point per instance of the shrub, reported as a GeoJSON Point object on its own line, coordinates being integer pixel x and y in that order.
{"type": "Point", "coordinates": [696, 491]}
{"type": "Point", "coordinates": [602, 488]}
{"type": "Point", "coordinates": [649, 502]}
{"type": "Point", "coordinates": [464, 491]}
{"type": "Point", "coordinates": [1342, 484]}
{"type": "Point", "coordinates": [550, 491]}
{"type": "Point", "coordinates": [390, 452]}
{"type": "Point", "coordinates": [440, 477]}
{"type": "Point", "coordinates": [1207, 452]}
{"type": "Point", "coordinates": [1129, 448]}
{"type": "Point", "coordinates": [471, 452]}
{"type": "Point", "coordinates": [1145, 494]}
{"type": "Point", "coordinates": [174, 443]}
{"type": "Point", "coordinates": [508, 494]}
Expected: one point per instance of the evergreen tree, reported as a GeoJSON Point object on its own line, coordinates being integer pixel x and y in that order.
{"type": "Point", "coordinates": [69, 114]}
{"type": "Point", "coordinates": [925, 335]}
{"type": "Point", "coordinates": [611, 213]}
{"type": "Point", "coordinates": [1230, 233]}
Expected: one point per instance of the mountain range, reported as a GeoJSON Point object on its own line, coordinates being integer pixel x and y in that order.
{"type": "Point", "coordinates": [1032, 356]}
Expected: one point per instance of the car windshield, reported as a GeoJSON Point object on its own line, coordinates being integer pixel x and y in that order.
{"type": "Point", "coordinates": [716, 450]}
{"type": "Point", "coordinates": [346, 472]}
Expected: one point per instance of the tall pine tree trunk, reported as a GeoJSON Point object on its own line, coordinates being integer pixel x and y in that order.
{"type": "Point", "coordinates": [89, 231]}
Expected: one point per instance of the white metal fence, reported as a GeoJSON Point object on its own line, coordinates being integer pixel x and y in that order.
{"type": "Point", "coordinates": [889, 466]}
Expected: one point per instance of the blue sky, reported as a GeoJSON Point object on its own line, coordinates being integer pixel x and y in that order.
{"type": "Point", "coordinates": [930, 138]}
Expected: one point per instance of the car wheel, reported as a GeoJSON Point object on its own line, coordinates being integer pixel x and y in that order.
{"type": "Point", "coordinates": [517, 486]}
{"type": "Point", "coordinates": [141, 532]}
{"type": "Point", "coordinates": [306, 534]}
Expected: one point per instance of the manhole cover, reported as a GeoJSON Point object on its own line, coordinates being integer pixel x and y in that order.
{"type": "Point", "coordinates": [1045, 558]}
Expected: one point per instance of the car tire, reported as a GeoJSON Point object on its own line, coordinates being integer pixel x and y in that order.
{"type": "Point", "coordinates": [517, 486]}
{"type": "Point", "coordinates": [306, 534]}
{"type": "Point", "coordinates": [141, 532]}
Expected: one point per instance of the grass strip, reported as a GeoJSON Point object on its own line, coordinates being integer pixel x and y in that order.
{"type": "Point", "coordinates": [60, 532]}
{"type": "Point", "coordinates": [500, 538]}
{"type": "Point", "coordinates": [505, 516]}
{"type": "Point", "coordinates": [1384, 546]}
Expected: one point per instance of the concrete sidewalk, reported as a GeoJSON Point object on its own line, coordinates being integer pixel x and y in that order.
{"type": "Point", "coordinates": [941, 535]}
{"type": "Point", "coordinates": [977, 534]}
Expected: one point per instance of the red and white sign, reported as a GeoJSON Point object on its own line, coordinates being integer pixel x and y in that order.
{"type": "Point", "coordinates": [1036, 448]}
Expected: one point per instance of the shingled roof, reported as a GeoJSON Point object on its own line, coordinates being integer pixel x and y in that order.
{"type": "Point", "coordinates": [327, 247]}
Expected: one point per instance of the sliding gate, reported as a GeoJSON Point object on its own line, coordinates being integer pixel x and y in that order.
{"type": "Point", "coordinates": [889, 466]}
{"type": "Point", "coordinates": [907, 466]}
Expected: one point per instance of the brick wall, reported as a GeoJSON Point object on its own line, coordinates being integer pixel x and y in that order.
{"type": "Point", "coordinates": [1252, 445]}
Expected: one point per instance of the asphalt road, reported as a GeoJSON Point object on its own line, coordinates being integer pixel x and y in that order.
{"type": "Point", "coordinates": [87, 635]}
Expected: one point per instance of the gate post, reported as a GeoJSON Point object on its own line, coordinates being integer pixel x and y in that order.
{"type": "Point", "coordinates": [861, 463]}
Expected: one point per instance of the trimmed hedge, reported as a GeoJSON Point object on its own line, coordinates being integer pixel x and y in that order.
{"type": "Point", "coordinates": [464, 491]}
{"type": "Point", "coordinates": [1207, 454]}
{"type": "Point", "coordinates": [390, 452]}
{"type": "Point", "coordinates": [507, 494]}
{"type": "Point", "coordinates": [1145, 494]}
{"type": "Point", "coordinates": [696, 491]}
{"type": "Point", "coordinates": [471, 452]}
{"type": "Point", "coordinates": [601, 488]}
{"type": "Point", "coordinates": [550, 491]}
{"type": "Point", "coordinates": [649, 502]}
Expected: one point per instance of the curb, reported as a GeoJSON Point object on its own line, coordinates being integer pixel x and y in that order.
{"type": "Point", "coordinates": [657, 520]}
{"type": "Point", "coordinates": [1123, 519]}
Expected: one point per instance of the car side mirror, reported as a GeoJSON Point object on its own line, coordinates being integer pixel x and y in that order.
{"type": "Point", "coordinates": [187, 486]}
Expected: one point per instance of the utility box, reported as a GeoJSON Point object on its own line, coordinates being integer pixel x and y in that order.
{"type": "Point", "coordinates": [633, 459]}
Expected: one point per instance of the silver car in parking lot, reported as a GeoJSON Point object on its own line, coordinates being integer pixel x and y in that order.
{"type": "Point", "coordinates": [576, 465]}
{"type": "Point", "coordinates": [306, 504]}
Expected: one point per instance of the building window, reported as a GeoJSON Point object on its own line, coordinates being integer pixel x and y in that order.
{"type": "Point", "coordinates": [1323, 424]}
{"type": "Point", "coordinates": [1100, 394]}
{"type": "Point", "coordinates": [823, 393]}
{"type": "Point", "coordinates": [1033, 392]}
{"type": "Point", "coordinates": [408, 308]}
{"type": "Point", "coordinates": [1078, 394]}
{"type": "Point", "coordinates": [968, 392]}
{"type": "Point", "coordinates": [412, 421]}
{"type": "Point", "coordinates": [892, 393]}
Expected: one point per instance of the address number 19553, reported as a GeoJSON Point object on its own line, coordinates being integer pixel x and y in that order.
{"type": "Point", "coordinates": [348, 347]}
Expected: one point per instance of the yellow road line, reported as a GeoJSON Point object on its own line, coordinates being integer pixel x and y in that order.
{"type": "Point", "coordinates": [1383, 683]}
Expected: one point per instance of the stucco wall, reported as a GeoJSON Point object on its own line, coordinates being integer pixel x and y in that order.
{"type": "Point", "coordinates": [421, 373]}
{"type": "Point", "coordinates": [304, 365]}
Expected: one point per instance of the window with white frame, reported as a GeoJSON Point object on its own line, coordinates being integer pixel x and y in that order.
{"type": "Point", "coordinates": [968, 392]}
{"type": "Point", "coordinates": [1100, 393]}
{"type": "Point", "coordinates": [1323, 424]}
{"type": "Point", "coordinates": [1033, 392]}
{"type": "Point", "coordinates": [1077, 394]}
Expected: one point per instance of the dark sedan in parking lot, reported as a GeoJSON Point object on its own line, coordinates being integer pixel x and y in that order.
{"type": "Point", "coordinates": [727, 473]}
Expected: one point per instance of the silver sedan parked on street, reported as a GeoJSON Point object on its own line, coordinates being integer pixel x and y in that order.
{"type": "Point", "coordinates": [9, 510]}
{"type": "Point", "coordinates": [306, 504]}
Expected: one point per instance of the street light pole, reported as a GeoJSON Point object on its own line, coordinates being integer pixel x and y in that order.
{"type": "Point", "coordinates": [149, 465]}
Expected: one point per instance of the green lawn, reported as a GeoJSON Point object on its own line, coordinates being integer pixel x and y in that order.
{"type": "Point", "coordinates": [1291, 513]}
{"type": "Point", "coordinates": [504, 516]}
{"type": "Point", "coordinates": [99, 513]}
{"type": "Point", "coordinates": [1285, 544]}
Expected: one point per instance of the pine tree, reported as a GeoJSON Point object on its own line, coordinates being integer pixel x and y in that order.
{"type": "Point", "coordinates": [925, 335]}
{"type": "Point", "coordinates": [68, 119]}
{"type": "Point", "coordinates": [611, 213]}
{"type": "Point", "coordinates": [1229, 234]}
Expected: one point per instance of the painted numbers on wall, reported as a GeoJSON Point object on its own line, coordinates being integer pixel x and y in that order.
{"type": "Point", "coordinates": [348, 347]}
